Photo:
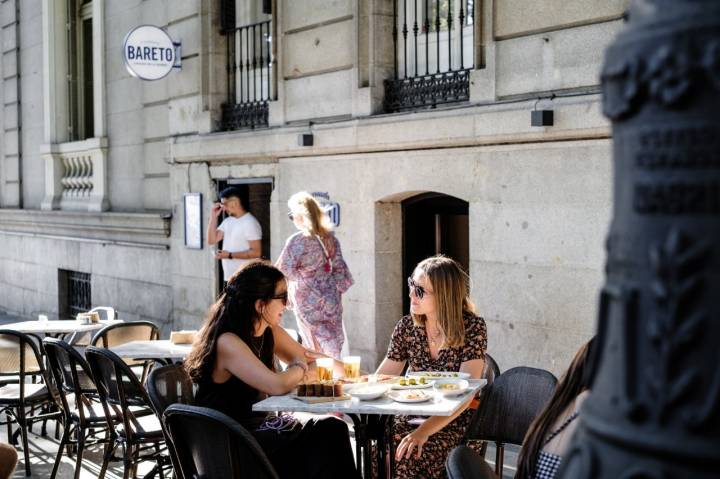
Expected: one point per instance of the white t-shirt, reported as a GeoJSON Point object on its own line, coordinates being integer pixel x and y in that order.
{"type": "Point", "coordinates": [237, 234]}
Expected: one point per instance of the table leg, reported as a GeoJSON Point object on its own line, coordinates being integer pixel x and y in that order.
{"type": "Point", "coordinates": [362, 444]}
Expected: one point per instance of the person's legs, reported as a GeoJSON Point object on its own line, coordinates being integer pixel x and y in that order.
{"type": "Point", "coordinates": [322, 450]}
{"type": "Point", "coordinates": [8, 460]}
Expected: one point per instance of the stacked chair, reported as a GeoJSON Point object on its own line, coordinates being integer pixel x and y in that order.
{"type": "Point", "coordinates": [134, 427]}
{"type": "Point", "coordinates": [25, 385]}
{"type": "Point", "coordinates": [84, 417]}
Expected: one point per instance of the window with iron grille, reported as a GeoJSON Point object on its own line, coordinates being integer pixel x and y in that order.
{"type": "Point", "coordinates": [74, 293]}
{"type": "Point", "coordinates": [434, 51]}
{"type": "Point", "coordinates": [249, 30]}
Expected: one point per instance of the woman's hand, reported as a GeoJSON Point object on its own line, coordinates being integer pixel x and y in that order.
{"type": "Point", "coordinates": [414, 440]}
{"type": "Point", "coordinates": [313, 355]}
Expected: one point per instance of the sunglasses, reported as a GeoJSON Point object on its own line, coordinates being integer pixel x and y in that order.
{"type": "Point", "coordinates": [282, 297]}
{"type": "Point", "coordinates": [290, 215]}
{"type": "Point", "coordinates": [416, 289]}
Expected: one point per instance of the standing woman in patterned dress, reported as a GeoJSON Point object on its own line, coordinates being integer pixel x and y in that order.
{"type": "Point", "coordinates": [441, 333]}
{"type": "Point", "coordinates": [317, 275]}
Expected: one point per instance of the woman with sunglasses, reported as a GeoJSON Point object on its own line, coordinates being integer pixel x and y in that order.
{"type": "Point", "coordinates": [317, 275]}
{"type": "Point", "coordinates": [232, 363]}
{"type": "Point", "coordinates": [441, 333]}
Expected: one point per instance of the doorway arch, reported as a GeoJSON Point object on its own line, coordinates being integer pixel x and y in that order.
{"type": "Point", "coordinates": [434, 223]}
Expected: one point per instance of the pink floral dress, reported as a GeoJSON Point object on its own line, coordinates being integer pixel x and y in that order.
{"type": "Point", "coordinates": [316, 283]}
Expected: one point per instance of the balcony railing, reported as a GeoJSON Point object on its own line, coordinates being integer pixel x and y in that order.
{"type": "Point", "coordinates": [250, 76]}
{"type": "Point", "coordinates": [434, 44]}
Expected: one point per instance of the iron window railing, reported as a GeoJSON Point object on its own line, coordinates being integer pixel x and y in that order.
{"type": "Point", "coordinates": [434, 49]}
{"type": "Point", "coordinates": [250, 76]}
{"type": "Point", "coordinates": [78, 297]}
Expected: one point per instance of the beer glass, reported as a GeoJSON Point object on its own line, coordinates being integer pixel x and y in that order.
{"type": "Point", "coordinates": [351, 365]}
{"type": "Point", "coordinates": [324, 369]}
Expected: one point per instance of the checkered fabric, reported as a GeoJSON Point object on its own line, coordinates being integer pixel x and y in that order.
{"type": "Point", "coordinates": [547, 465]}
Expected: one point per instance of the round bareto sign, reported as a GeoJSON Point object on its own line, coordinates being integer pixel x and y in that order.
{"type": "Point", "coordinates": [149, 52]}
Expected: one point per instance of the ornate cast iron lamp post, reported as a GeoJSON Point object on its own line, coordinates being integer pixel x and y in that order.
{"type": "Point", "coordinates": [655, 407]}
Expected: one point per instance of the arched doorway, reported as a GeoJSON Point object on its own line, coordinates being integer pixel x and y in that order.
{"type": "Point", "coordinates": [433, 223]}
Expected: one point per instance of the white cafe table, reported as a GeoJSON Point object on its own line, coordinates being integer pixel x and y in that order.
{"type": "Point", "coordinates": [71, 327]}
{"type": "Point", "coordinates": [373, 419]}
{"type": "Point", "coordinates": [163, 350]}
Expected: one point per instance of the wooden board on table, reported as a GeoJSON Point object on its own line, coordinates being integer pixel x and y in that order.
{"type": "Point", "coordinates": [319, 399]}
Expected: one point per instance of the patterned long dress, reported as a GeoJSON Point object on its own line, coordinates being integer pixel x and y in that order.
{"type": "Point", "coordinates": [315, 288]}
{"type": "Point", "coordinates": [409, 343]}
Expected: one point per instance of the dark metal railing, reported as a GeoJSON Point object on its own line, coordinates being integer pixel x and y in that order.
{"type": "Point", "coordinates": [250, 76]}
{"type": "Point", "coordinates": [433, 44]}
{"type": "Point", "coordinates": [78, 292]}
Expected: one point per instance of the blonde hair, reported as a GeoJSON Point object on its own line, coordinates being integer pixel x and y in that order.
{"type": "Point", "coordinates": [451, 287]}
{"type": "Point", "coordinates": [302, 203]}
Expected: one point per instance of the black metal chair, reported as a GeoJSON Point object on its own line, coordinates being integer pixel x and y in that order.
{"type": "Point", "coordinates": [138, 433]}
{"type": "Point", "coordinates": [21, 361]}
{"type": "Point", "coordinates": [121, 333]}
{"type": "Point", "coordinates": [83, 416]}
{"type": "Point", "coordinates": [169, 385]}
{"type": "Point", "coordinates": [508, 406]}
{"type": "Point", "coordinates": [465, 463]}
{"type": "Point", "coordinates": [211, 445]}
{"type": "Point", "coordinates": [492, 370]}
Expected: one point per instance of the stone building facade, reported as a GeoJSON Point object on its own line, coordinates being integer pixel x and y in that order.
{"type": "Point", "coordinates": [95, 163]}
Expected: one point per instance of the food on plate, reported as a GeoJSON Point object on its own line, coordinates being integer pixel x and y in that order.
{"type": "Point", "coordinates": [449, 386]}
{"type": "Point", "coordinates": [320, 389]}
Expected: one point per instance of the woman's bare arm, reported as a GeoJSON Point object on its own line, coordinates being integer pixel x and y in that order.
{"type": "Point", "coordinates": [235, 357]}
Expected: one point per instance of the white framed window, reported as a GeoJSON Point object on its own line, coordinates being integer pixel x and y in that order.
{"type": "Point", "coordinates": [75, 143]}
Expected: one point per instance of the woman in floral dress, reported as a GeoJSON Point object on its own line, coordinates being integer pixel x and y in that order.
{"type": "Point", "coordinates": [317, 274]}
{"type": "Point", "coordinates": [441, 333]}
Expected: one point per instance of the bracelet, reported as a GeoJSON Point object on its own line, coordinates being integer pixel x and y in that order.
{"type": "Point", "coordinates": [230, 255]}
{"type": "Point", "coordinates": [299, 364]}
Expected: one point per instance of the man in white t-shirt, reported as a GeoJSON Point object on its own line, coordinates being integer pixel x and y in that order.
{"type": "Point", "coordinates": [240, 232]}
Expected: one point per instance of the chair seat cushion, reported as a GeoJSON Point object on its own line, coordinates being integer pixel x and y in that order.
{"type": "Point", "coordinates": [145, 427]}
{"type": "Point", "coordinates": [10, 393]}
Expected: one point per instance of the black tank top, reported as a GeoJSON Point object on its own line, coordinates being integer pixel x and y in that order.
{"type": "Point", "coordinates": [234, 397]}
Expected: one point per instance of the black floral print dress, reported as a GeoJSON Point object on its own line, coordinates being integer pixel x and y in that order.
{"type": "Point", "coordinates": [409, 343]}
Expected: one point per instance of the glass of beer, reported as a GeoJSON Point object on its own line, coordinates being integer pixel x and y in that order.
{"type": "Point", "coordinates": [324, 369]}
{"type": "Point", "coordinates": [351, 365]}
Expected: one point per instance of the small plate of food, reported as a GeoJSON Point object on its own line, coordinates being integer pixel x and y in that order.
{"type": "Point", "coordinates": [440, 374]}
{"type": "Point", "coordinates": [366, 391]}
{"type": "Point", "coordinates": [410, 396]}
{"type": "Point", "coordinates": [451, 386]}
{"type": "Point", "coordinates": [412, 383]}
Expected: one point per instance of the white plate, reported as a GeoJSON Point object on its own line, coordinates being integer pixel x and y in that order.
{"type": "Point", "coordinates": [397, 386]}
{"type": "Point", "coordinates": [401, 396]}
{"type": "Point", "coordinates": [440, 374]}
{"type": "Point", "coordinates": [365, 391]}
{"type": "Point", "coordinates": [460, 386]}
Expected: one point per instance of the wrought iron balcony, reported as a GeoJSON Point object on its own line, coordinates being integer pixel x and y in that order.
{"type": "Point", "coordinates": [250, 76]}
{"type": "Point", "coordinates": [434, 48]}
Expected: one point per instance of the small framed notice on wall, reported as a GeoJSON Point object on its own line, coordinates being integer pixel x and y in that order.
{"type": "Point", "coordinates": [193, 220]}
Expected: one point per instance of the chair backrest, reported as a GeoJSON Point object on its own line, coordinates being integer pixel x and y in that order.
{"type": "Point", "coordinates": [465, 463]}
{"type": "Point", "coordinates": [211, 445]}
{"type": "Point", "coordinates": [169, 385]}
{"type": "Point", "coordinates": [117, 385]}
{"type": "Point", "coordinates": [105, 312]}
{"type": "Point", "coordinates": [492, 370]}
{"type": "Point", "coordinates": [20, 357]}
{"type": "Point", "coordinates": [70, 372]}
{"type": "Point", "coordinates": [121, 333]}
{"type": "Point", "coordinates": [510, 404]}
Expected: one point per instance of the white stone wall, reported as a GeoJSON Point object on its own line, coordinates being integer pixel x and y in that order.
{"type": "Point", "coordinates": [539, 197]}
